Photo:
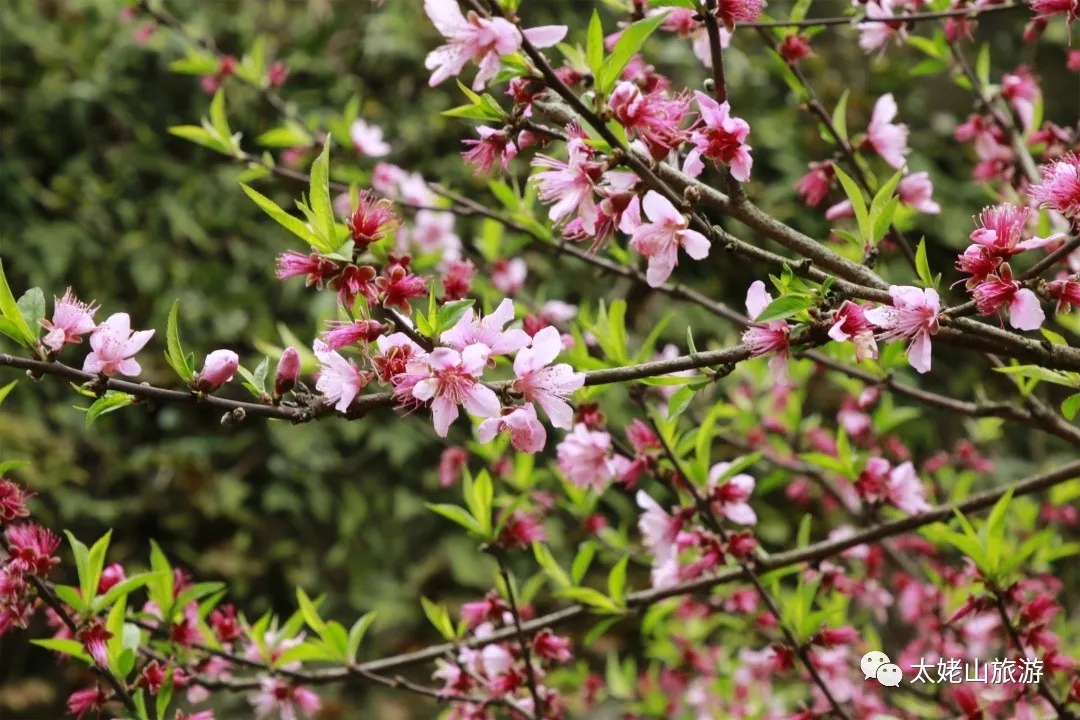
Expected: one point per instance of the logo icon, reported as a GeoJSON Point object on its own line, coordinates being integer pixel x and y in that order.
{"type": "Point", "coordinates": [876, 664]}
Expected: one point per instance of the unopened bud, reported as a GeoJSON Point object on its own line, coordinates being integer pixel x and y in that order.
{"type": "Point", "coordinates": [219, 369]}
{"type": "Point", "coordinates": [288, 370]}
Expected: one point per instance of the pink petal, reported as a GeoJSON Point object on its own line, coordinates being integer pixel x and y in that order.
{"type": "Point", "coordinates": [661, 265]}
{"type": "Point", "coordinates": [482, 401]}
{"type": "Point", "coordinates": [695, 244]}
{"type": "Point", "coordinates": [757, 299]}
{"type": "Point", "coordinates": [488, 430]}
{"type": "Point", "coordinates": [919, 352]}
{"type": "Point", "coordinates": [443, 412]}
{"type": "Point", "coordinates": [660, 210]}
{"type": "Point", "coordinates": [1025, 311]}
{"type": "Point", "coordinates": [545, 35]}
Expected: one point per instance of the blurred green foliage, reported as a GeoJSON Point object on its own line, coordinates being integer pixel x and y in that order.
{"type": "Point", "coordinates": [97, 195]}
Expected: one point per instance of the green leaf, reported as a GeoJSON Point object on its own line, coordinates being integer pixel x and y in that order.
{"type": "Point", "coordinates": [74, 648]}
{"type": "Point", "coordinates": [982, 65]}
{"type": "Point", "coordinates": [450, 313]}
{"type": "Point", "coordinates": [1041, 373]}
{"type": "Point", "coordinates": [319, 196]}
{"type": "Point", "coordinates": [590, 597]}
{"type": "Point", "coordinates": [95, 563]}
{"type": "Point", "coordinates": [82, 565]}
{"type": "Point", "coordinates": [32, 308]}
{"type": "Point", "coordinates": [9, 310]}
{"type": "Point", "coordinates": [121, 589]}
{"type": "Point", "coordinates": [219, 121]}
{"type": "Point", "coordinates": [7, 389]}
{"type": "Point", "coordinates": [174, 353]}
{"type": "Point", "coordinates": [617, 581]}
{"type": "Point", "coordinates": [680, 400]}
{"type": "Point", "coordinates": [311, 650]}
{"type": "Point", "coordinates": [628, 45]}
{"type": "Point", "coordinates": [309, 612]}
{"type": "Point", "coordinates": [68, 594]}
{"type": "Point", "coordinates": [1070, 406]}
{"type": "Point", "coordinates": [459, 515]}
{"type": "Point", "coordinates": [582, 561]}
{"type": "Point", "coordinates": [356, 635]}
{"type": "Point", "coordinates": [922, 266]}
{"type": "Point", "coordinates": [439, 617]}
{"type": "Point", "coordinates": [289, 136]}
{"type": "Point", "coordinates": [784, 307]}
{"type": "Point", "coordinates": [107, 403]}
{"type": "Point", "coordinates": [287, 221]}
{"type": "Point", "coordinates": [546, 560]}
{"type": "Point", "coordinates": [200, 136]}
{"type": "Point", "coordinates": [594, 48]}
{"type": "Point", "coordinates": [858, 203]}
{"type": "Point", "coordinates": [161, 584]}
{"type": "Point", "coordinates": [839, 117]}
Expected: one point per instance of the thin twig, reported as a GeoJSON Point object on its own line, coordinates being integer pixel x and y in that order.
{"type": "Point", "coordinates": [526, 651]}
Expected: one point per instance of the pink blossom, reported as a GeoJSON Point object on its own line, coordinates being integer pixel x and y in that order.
{"type": "Point", "coordinates": [1021, 88]}
{"type": "Point", "coordinates": [655, 117]}
{"type": "Point", "coordinates": [1002, 226]}
{"type": "Point", "coordinates": [549, 646]}
{"type": "Point", "coordinates": [731, 494]}
{"type": "Point", "coordinates": [731, 12]}
{"type": "Point", "coordinates": [586, 459]}
{"type": "Point", "coordinates": [93, 639]}
{"type": "Point", "coordinates": [483, 40]}
{"type": "Point", "coordinates": [769, 337]}
{"type": "Point", "coordinates": [887, 139]}
{"type": "Point", "coordinates": [527, 434]}
{"type": "Point", "coordinates": [283, 699]}
{"type": "Point", "coordinates": [454, 379]}
{"type": "Point", "coordinates": [1060, 186]}
{"type": "Point", "coordinates": [997, 291]}
{"type": "Point", "coordinates": [114, 346]}
{"type": "Point", "coordinates": [543, 383]}
{"type": "Point", "coordinates": [371, 220]}
{"type": "Point", "coordinates": [916, 191]}
{"type": "Point", "coordinates": [457, 279]}
{"type": "Point", "coordinates": [508, 276]}
{"type": "Point", "coordinates": [493, 146]}
{"type": "Point", "coordinates": [874, 35]}
{"type": "Point", "coordinates": [395, 352]}
{"type": "Point", "coordinates": [1065, 289]}
{"type": "Point", "coordinates": [1046, 9]}
{"type": "Point", "coordinates": [978, 261]}
{"type": "Point", "coordinates": [660, 239]}
{"type": "Point", "coordinates": [913, 315]}
{"type": "Point", "coordinates": [814, 185]}
{"type": "Point", "coordinates": [840, 210]}
{"type": "Point", "coordinates": [850, 323]}
{"type": "Point", "coordinates": [71, 320]}
{"type": "Point", "coordinates": [342, 334]}
{"type": "Point", "coordinates": [432, 231]}
{"type": "Point", "coordinates": [487, 331]}
{"type": "Point", "coordinates": [569, 185]}
{"type": "Point", "coordinates": [219, 368]}
{"type": "Point", "coordinates": [368, 139]}
{"type": "Point", "coordinates": [659, 531]}
{"type": "Point", "coordinates": [317, 268]}
{"type": "Point", "coordinates": [34, 546]}
{"type": "Point", "coordinates": [722, 139]}
{"type": "Point", "coordinates": [12, 501]}
{"type": "Point", "coordinates": [905, 490]}
{"type": "Point", "coordinates": [288, 371]}
{"type": "Point", "coordinates": [340, 381]}
{"type": "Point", "coordinates": [398, 284]}
{"type": "Point", "coordinates": [81, 702]}
{"type": "Point", "coordinates": [794, 48]}
{"type": "Point", "coordinates": [522, 529]}
{"type": "Point", "coordinates": [451, 463]}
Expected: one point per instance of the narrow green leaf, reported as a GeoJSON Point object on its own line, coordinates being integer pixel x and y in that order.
{"type": "Point", "coordinates": [7, 389]}
{"type": "Point", "coordinates": [839, 116]}
{"type": "Point", "coordinates": [628, 45]}
{"type": "Point", "coordinates": [356, 635]}
{"type": "Point", "coordinates": [199, 136]}
{"type": "Point", "coordinates": [617, 581]}
{"type": "Point", "coordinates": [459, 515]}
{"type": "Point", "coordinates": [32, 308]}
{"type": "Point", "coordinates": [287, 221]}
{"type": "Point", "coordinates": [309, 612]}
{"type": "Point", "coordinates": [9, 310]}
{"type": "Point", "coordinates": [858, 202]}
{"type": "Point", "coordinates": [922, 265]}
{"type": "Point", "coordinates": [174, 352]}
{"type": "Point", "coordinates": [82, 569]}
{"type": "Point", "coordinates": [594, 48]}
{"type": "Point", "coordinates": [219, 120]}
{"type": "Point", "coordinates": [450, 313]}
{"type": "Point", "coordinates": [319, 196]}
{"type": "Point", "coordinates": [107, 403]}
{"type": "Point", "coordinates": [784, 307]}
{"type": "Point", "coordinates": [1070, 406]}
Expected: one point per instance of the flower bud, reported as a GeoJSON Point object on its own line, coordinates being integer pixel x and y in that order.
{"type": "Point", "coordinates": [288, 370]}
{"type": "Point", "coordinates": [219, 369]}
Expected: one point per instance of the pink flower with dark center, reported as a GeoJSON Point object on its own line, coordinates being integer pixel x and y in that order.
{"type": "Point", "coordinates": [997, 291]}
{"type": "Point", "coordinates": [814, 185]}
{"type": "Point", "coordinates": [585, 457]}
{"type": "Point", "coordinates": [660, 239]}
{"type": "Point", "coordinates": [454, 379]}
{"type": "Point", "coordinates": [543, 383]}
{"type": "Point", "coordinates": [655, 117]}
{"type": "Point", "coordinates": [280, 697]}
{"type": "Point", "coordinates": [114, 346]}
{"type": "Point", "coordinates": [219, 368]}
{"type": "Point", "coordinates": [659, 532]}
{"type": "Point", "coordinates": [340, 381]}
{"type": "Point", "coordinates": [356, 280]}
{"type": "Point", "coordinates": [343, 334]}
{"type": "Point", "coordinates": [731, 494]}
{"type": "Point", "coordinates": [71, 319]}
{"type": "Point", "coordinates": [493, 146]}
{"type": "Point", "coordinates": [874, 35]}
{"type": "Point", "coordinates": [916, 191]}
{"type": "Point", "coordinates": [913, 315]}
{"type": "Point", "coordinates": [1046, 9]}
{"type": "Point", "coordinates": [397, 285]}
{"type": "Point", "coordinates": [521, 530]}
{"type": "Point", "coordinates": [850, 323]}
{"type": "Point", "coordinates": [1060, 186]}
{"type": "Point", "coordinates": [1021, 89]}
{"type": "Point", "coordinates": [731, 12]}
{"type": "Point", "coordinates": [1065, 290]}
{"type": "Point", "coordinates": [1002, 226]}
{"type": "Point", "coordinates": [371, 220]}
{"type": "Point", "coordinates": [887, 139]}
{"type": "Point", "coordinates": [93, 639]}
{"type": "Point", "coordinates": [288, 371]}
{"type": "Point", "coordinates": [768, 337]}
{"type": "Point", "coordinates": [482, 40]}
{"type": "Point", "coordinates": [487, 331]}
{"type": "Point", "coordinates": [317, 268]}
{"type": "Point", "coordinates": [794, 48]}
{"type": "Point", "coordinates": [721, 138]}
{"type": "Point", "coordinates": [368, 139]}
{"type": "Point", "coordinates": [396, 351]}
{"type": "Point", "coordinates": [569, 185]}
{"type": "Point", "coordinates": [527, 434]}
{"type": "Point", "coordinates": [508, 276]}
{"type": "Point", "coordinates": [979, 262]}
{"type": "Point", "coordinates": [12, 501]}
{"type": "Point", "coordinates": [549, 646]}
{"type": "Point", "coordinates": [83, 701]}
{"type": "Point", "coordinates": [457, 279]}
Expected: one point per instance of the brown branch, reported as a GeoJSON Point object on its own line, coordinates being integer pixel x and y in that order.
{"type": "Point", "coordinates": [526, 652]}
{"type": "Point", "coordinates": [716, 51]}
